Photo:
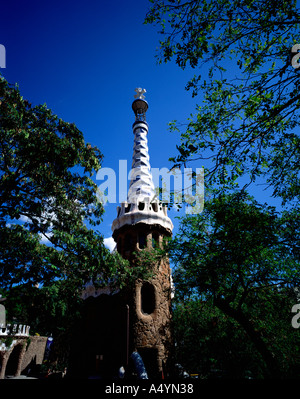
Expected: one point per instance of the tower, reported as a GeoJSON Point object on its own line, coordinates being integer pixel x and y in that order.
{"type": "Point", "coordinates": [142, 223]}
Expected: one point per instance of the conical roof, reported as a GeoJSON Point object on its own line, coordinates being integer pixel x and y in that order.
{"type": "Point", "coordinates": [141, 206]}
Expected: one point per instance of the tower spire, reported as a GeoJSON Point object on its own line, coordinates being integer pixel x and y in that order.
{"type": "Point", "coordinates": [141, 206]}
{"type": "Point", "coordinates": [142, 223]}
{"type": "Point", "coordinates": [141, 185]}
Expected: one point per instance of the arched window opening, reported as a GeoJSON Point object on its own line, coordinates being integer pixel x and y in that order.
{"type": "Point", "coordinates": [128, 242]}
{"type": "Point", "coordinates": [119, 244]}
{"type": "Point", "coordinates": [141, 206]}
{"type": "Point", "coordinates": [142, 240]}
{"type": "Point", "coordinates": [147, 298]}
{"type": "Point", "coordinates": [155, 240]}
{"type": "Point", "coordinates": [13, 360]}
{"type": "Point", "coordinates": [155, 207]}
{"type": "Point", "coordinates": [127, 208]}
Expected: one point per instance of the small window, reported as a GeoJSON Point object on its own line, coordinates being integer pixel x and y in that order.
{"type": "Point", "coordinates": [127, 208]}
{"type": "Point", "coordinates": [141, 206]}
{"type": "Point", "coordinates": [142, 240]}
{"type": "Point", "coordinates": [155, 207]}
{"type": "Point", "coordinates": [128, 242]}
{"type": "Point", "coordinates": [119, 244]}
{"type": "Point", "coordinates": [155, 240]}
{"type": "Point", "coordinates": [147, 298]}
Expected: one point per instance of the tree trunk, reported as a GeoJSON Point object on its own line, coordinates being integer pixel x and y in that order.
{"type": "Point", "coordinates": [254, 335]}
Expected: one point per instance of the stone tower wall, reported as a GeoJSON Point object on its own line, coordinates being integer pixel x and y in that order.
{"type": "Point", "coordinates": [154, 330]}
{"type": "Point", "coordinates": [150, 300]}
{"type": "Point", "coordinates": [141, 222]}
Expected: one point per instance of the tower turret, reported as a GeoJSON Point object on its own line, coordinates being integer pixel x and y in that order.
{"type": "Point", "coordinates": [142, 223]}
{"type": "Point", "coordinates": [142, 205]}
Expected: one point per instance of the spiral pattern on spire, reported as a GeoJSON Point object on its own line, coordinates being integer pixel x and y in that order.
{"type": "Point", "coordinates": [141, 184]}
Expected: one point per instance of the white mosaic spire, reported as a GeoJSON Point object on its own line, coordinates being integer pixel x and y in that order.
{"type": "Point", "coordinates": [141, 206]}
{"type": "Point", "coordinates": [141, 185]}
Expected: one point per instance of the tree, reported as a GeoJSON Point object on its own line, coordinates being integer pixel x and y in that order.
{"type": "Point", "coordinates": [214, 345]}
{"type": "Point", "coordinates": [246, 122]}
{"type": "Point", "coordinates": [48, 201]}
{"type": "Point", "coordinates": [243, 130]}
{"type": "Point", "coordinates": [49, 217]}
{"type": "Point", "coordinates": [234, 254]}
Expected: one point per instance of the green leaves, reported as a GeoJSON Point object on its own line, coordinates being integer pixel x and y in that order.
{"type": "Point", "coordinates": [233, 246]}
{"type": "Point", "coordinates": [240, 256]}
{"type": "Point", "coordinates": [47, 198]}
{"type": "Point", "coordinates": [48, 201]}
{"type": "Point", "coordinates": [249, 103]}
{"type": "Point", "coordinates": [244, 128]}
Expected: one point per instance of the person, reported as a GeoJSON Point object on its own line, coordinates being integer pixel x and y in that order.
{"type": "Point", "coordinates": [121, 372]}
{"type": "Point", "coordinates": [139, 365]}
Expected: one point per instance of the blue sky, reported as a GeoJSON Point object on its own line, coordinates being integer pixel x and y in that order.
{"type": "Point", "coordinates": [84, 60]}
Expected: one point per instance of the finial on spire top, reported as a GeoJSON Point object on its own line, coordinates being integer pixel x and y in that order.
{"type": "Point", "coordinates": [140, 93]}
{"type": "Point", "coordinates": [140, 105]}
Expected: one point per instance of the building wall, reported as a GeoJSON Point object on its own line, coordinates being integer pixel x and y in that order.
{"type": "Point", "coordinates": [149, 301]}
{"type": "Point", "coordinates": [24, 351]}
{"type": "Point", "coordinates": [35, 351]}
{"type": "Point", "coordinates": [152, 325]}
{"type": "Point", "coordinates": [99, 344]}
